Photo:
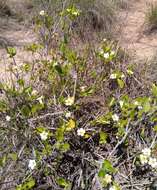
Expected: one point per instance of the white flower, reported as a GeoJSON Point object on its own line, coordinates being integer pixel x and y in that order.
{"type": "Point", "coordinates": [146, 152]}
{"type": "Point", "coordinates": [83, 88]}
{"type": "Point", "coordinates": [69, 101]}
{"type": "Point", "coordinates": [108, 178]}
{"type": "Point", "coordinates": [121, 103]}
{"type": "Point", "coordinates": [42, 13]}
{"type": "Point", "coordinates": [106, 55]}
{"type": "Point", "coordinates": [68, 114]}
{"type": "Point", "coordinates": [143, 159]}
{"type": "Point", "coordinates": [44, 135]}
{"type": "Point", "coordinates": [122, 76]}
{"type": "Point", "coordinates": [140, 107]}
{"type": "Point", "coordinates": [113, 188]}
{"type": "Point", "coordinates": [34, 92]}
{"type": "Point", "coordinates": [40, 99]}
{"type": "Point", "coordinates": [115, 117]}
{"type": "Point", "coordinates": [112, 53]}
{"type": "Point", "coordinates": [153, 162]}
{"type": "Point", "coordinates": [136, 103]}
{"type": "Point", "coordinates": [32, 164]}
{"type": "Point", "coordinates": [8, 118]}
{"type": "Point", "coordinates": [113, 76]}
{"type": "Point", "coordinates": [81, 132]}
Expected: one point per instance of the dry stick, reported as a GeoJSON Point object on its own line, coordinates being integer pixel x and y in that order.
{"type": "Point", "coordinates": [45, 116]}
{"type": "Point", "coordinates": [75, 85]}
{"type": "Point", "coordinates": [153, 142]}
{"type": "Point", "coordinates": [122, 140]}
{"type": "Point", "coordinates": [127, 132]}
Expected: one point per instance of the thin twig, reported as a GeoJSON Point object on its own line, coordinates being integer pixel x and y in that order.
{"type": "Point", "coordinates": [122, 140]}
{"type": "Point", "coordinates": [45, 116]}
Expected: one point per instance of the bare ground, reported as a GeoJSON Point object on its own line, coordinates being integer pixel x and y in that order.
{"type": "Point", "coordinates": [16, 33]}
{"type": "Point", "coordinates": [133, 33]}
{"type": "Point", "coordinates": [133, 36]}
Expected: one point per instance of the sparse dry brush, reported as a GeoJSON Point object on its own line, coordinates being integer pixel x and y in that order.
{"type": "Point", "coordinates": [96, 21]}
{"type": "Point", "coordinates": [76, 120]}
{"type": "Point", "coordinates": [151, 17]}
{"type": "Point", "coordinates": [5, 9]}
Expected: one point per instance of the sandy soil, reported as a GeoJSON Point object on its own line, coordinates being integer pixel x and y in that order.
{"type": "Point", "coordinates": [16, 34]}
{"type": "Point", "coordinates": [133, 36]}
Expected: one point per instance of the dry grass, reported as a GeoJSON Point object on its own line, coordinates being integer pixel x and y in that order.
{"type": "Point", "coordinates": [5, 9]}
{"type": "Point", "coordinates": [97, 19]}
{"type": "Point", "coordinates": [151, 17]}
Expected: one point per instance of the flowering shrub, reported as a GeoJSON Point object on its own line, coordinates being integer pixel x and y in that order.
{"type": "Point", "coordinates": [76, 121]}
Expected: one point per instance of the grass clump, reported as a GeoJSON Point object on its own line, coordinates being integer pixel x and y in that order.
{"type": "Point", "coordinates": [151, 17]}
{"type": "Point", "coordinates": [96, 18]}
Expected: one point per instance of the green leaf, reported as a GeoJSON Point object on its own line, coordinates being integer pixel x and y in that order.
{"type": "Point", "coordinates": [130, 72]}
{"type": "Point", "coordinates": [120, 83]}
{"type": "Point", "coordinates": [47, 150]}
{"type": "Point", "coordinates": [13, 156]}
{"type": "Point", "coordinates": [62, 182]}
{"type": "Point", "coordinates": [21, 82]}
{"type": "Point", "coordinates": [3, 161]}
{"type": "Point", "coordinates": [107, 166]}
{"type": "Point", "coordinates": [36, 107]}
{"type": "Point", "coordinates": [40, 129]}
{"type": "Point", "coordinates": [28, 185]}
{"type": "Point", "coordinates": [117, 187]}
{"type": "Point", "coordinates": [154, 90]}
{"type": "Point", "coordinates": [3, 105]}
{"type": "Point", "coordinates": [102, 173]}
{"type": "Point", "coordinates": [60, 134]}
{"type": "Point", "coordinates": [105, 119]}
{"type": "Point", "coordinates": [112, 101]}
{"type": "Point", "coordinates": [87, 92]}
{"type": "Point", "coordinates": [146, 106]}
{"type": "Point", "coordinates": [103, 137]}
{"type": "Point", "coordinates": [70, 125]}
{"type": "Point", "coordinates": [155, 128]}
{"type": "Point", "coordinates": [48, 22]}
{"type": "Point", "coordinates": [25, 110]}
{"type": "Point", "coordinates": [11, 51]}
{"type": "Point", "coordinates": [59, 70]}
{"type": "Point", "coordinates": [33, 47]}
{"type": "Point", "coordinates": [26, 67]}
{"type": "Point", "coordinates": [65, 147]}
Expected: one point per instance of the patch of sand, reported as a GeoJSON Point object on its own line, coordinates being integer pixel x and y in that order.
{"type": "Point", "coordinates": [132, 33]}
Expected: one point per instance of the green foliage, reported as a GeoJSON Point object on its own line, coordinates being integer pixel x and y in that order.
{"type": "Point", "coordinates": [95, 88]}
{"type": "Point", "coordinates": [11, 51]}
{"type": "Point", "coordinates": [63, 183]}
{"type": "Point", "coordinates": [28, 185]}
{"type": "Point", "coordinates": [106, 168]}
